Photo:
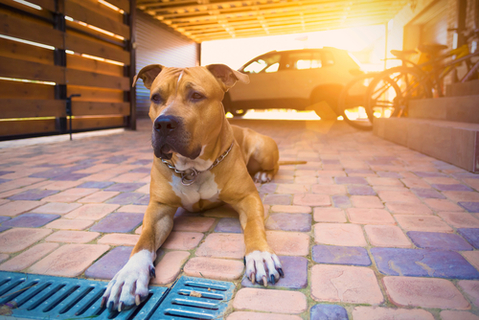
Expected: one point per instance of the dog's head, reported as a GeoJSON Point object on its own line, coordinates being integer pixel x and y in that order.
{"type": "Point", "coordinates": [186, 107]}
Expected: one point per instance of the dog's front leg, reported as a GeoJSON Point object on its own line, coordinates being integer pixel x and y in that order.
{"type": "Point", "coordinates": [262, 264]}
{"type": "Point", "coordinates": [130, 284]}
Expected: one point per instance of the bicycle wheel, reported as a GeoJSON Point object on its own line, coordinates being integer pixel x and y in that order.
{"type": "Point", "coordinates": [351, 102]}
{"type": "Point", "coordinates": [389, 93]}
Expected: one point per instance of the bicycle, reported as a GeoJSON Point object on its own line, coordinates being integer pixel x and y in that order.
{"type": "Point", "coordinates": [417, 80]}
{"type": "Point", "coordinates": [351, 102]}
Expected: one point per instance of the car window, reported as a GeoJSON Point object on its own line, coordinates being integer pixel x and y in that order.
{"type": "Point", "coordinates": [267, 64]}
{"type": "Point", "coordinates": [304, 60]}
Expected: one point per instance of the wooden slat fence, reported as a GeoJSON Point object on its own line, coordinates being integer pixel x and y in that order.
{"type": "Point", "coordinates": [51, 49]}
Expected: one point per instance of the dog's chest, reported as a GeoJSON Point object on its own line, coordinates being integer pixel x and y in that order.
{"type": "Point", "coordinates": [204, 188]}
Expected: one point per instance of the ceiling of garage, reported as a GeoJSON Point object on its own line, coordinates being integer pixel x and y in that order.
{"type": "Point", "coordinates": [203, 20]}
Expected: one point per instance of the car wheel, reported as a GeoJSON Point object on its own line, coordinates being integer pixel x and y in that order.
{"type": "Point", "coordinates": [325, 104]}
{"type": "Point", "coordinates": [228, 105]}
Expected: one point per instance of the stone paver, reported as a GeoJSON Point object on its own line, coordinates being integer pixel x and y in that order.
{"type": "Point", "coordinates": [439, 240]}
{"type": "Point", "coordinates": [366, 229]}
{"type": "Point", "coordinates": [374, 313]}
{"type": "Point", "coordinates": [270, 300]}
{"type": "Point", "coordinates": [424, 293]}
{"type": "Point", "coordinates": [69, 260]}
{"type": "Point", "coordinates": [118, 222]}
{"type": "Point", "coordinates": [72, 236]}
{"type": "Point", "coordinates": [328, 311]}
{"type": "Point", "coordinates": [18, 239]}
{"type": "Point", "coordinates": [169, 267]}
{"type": "Point", "coordinates": [30, 220]}
{"type": "Point", "coordinates": [108, 265]}
{"type": "Point", "coordinates": [211, 268]}
{"type": "Point", "coordinates": [356, 256]}
{"type": "Point", "coordinates": [387, 236]}
{"type": "Point", "coordinates": [370, 216]}
{"type": "Point", "coordinates": [222, 245]}
{"type": "Point", "coordinates": [28, 257]}
{"type": "Point", "coordinates": [423, 263]}
{"type": "Point", "coordinates": [471, 288]}
{"type": "Point", "coordinates": [345, 284]}
{"type": "Point", "coordinates": [339, 234]}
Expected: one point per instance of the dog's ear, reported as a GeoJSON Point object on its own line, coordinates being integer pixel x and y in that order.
{"type": "Point", "coordinates": [226, 75]}
{"type": "Point", "coordinates": [148, 74]}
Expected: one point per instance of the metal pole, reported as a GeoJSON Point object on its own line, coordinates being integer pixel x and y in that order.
{"type": "Point", "coordinates": [69, 110]}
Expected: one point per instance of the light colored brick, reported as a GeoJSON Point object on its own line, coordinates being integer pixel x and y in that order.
{"type": "Point", "coordinates": [345, 284]}
{"type": "Point", "coordinates": [472, 257]}
{"type": "Point", "coordinates": [70, 195]}
{"type": "Point", "coordinates": [119, 239]}
{"type": "Point", "coordinates": [98, 197]}
{"type": "Point", "coordinates": [423, 223]}
{"type": "Point", "coordinates": [18, 239]}
{"type": "Point", "coordinates": [460, 219]}
{"type": "Point", "coordinates": [288, 243]}
{"type": "Point", "coordinates": [424, 293]}
{"type": "Point", "coordinates": [442, 205]}
{"type": "Point", "coordinates": [366, 202]}
{"type": "Point", "coordinates": [68, 224]}
{"type": "Point", "coordinates": [462, 195]}
{"type": "Point", "coordinates": [471, 289]}
{"type": "Point", "coordinates": [379, 181]}
{"type": "Point", "coordinates": [458, 315]}
{"type": "Point", "coordinates": [73, 236]}
{"type": "Point", "coordinates": [313, 200]}
{"type": "Point", "coordinates": [293, 188]}
{"type": "Point", "coordinates": [14, 208]}
{"type": "Point", "coordinates": [182, 240]}
{"type": "Point", "coordinates": [290, 209]}
{"type": "Point", "coordinates": [3, 257]}
{"type": "Point", "coordinates": [398, 196]}
{"type": "Point", "coordinates": [28, 257]}
{"type": "Point", "coordinates": [57, 208]}
{"type": "Point", "coordinates": [211, 268]}
{"type": "Point", "coordinates": [329, 215]}
{"type": "Point", "coordinates": [329, 189]}
{"type": "Point", "coordinates": [269, 300]}
{"type": "Point", "coordinates": [222, 245]}
{"type": "Point", "coordinates": [94, 211]}
{"type": "Point", "coordinates": [387, 236]}
{"type": "Point", "coordinates": [375, 313]}
{"type": "Point", "coordinates": [339, 234]}
{"type": "Point", "coordinates": [408, 208]}
{"type": "Point", "coordinates": [370, 216]}
{"type": "Point", "coordinates": [169, 267]}
{"type": "Point", "coordinates": [416, 183]}
{"type": "Point", "coordinates": [242, 315]}
{"type": "Point", "coordinates": [69, 260]}
{"type": "Point", "coordinates": [61, 185]}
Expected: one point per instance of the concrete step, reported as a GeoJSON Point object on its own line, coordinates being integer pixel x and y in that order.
{"type": "Point", "coordinates": [460, 108]}
{"type": "Point", "coordinates": [454, 142]}
{"type": "Point", "coordinates": [463, 89]}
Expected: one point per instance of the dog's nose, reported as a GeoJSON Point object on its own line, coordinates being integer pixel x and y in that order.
{"type": "Point", "coordinates": [164, 125]}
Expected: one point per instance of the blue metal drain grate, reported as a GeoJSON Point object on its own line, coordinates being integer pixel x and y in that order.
{"type": "Point", "coordinates": [46, 297]}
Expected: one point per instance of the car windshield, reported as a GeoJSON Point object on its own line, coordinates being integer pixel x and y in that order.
{"type": "Point", "coordinates": [265, 63]}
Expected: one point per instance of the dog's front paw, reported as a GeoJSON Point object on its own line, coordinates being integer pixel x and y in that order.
{"type": "Point", "coordinates": [130, 285]}
{"type": "Point", "coordinates": [263, 267]}
{"type": "Point", "coordinates": [263, 177]}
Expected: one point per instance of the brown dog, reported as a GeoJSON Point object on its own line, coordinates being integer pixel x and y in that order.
{"type": "Point", "coordinates": [201, 161]}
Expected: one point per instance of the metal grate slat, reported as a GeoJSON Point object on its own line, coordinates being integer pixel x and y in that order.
{"type": "Point", "coordinates": [42, 297]}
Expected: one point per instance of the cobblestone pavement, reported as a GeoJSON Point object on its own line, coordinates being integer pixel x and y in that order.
{"type": "Point", "coordinates": [365, 230]}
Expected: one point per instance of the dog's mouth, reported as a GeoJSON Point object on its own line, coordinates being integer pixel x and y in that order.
{"type": "Point", "coordinates": [164, 152]}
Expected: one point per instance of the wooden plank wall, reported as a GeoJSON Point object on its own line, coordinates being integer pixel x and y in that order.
{"type": "Point", "coordinates": [56, 48]}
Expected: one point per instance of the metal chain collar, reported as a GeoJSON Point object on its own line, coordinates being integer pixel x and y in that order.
{"type": "Point", "coordinates": [188, 177]}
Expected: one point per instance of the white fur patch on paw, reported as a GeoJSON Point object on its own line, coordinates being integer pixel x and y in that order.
{"type": "Point", "coordinates": [262, 177]}
{"type": "Point", "coordinates": [130, 284]}
{"type": "Point", "coordinates": [263, 267]}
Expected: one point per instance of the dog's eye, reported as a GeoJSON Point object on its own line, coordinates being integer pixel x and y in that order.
{"type": "Point", "coordinates": [156, 98]}
{"type": "Point", "coordinates": [197, 96]}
